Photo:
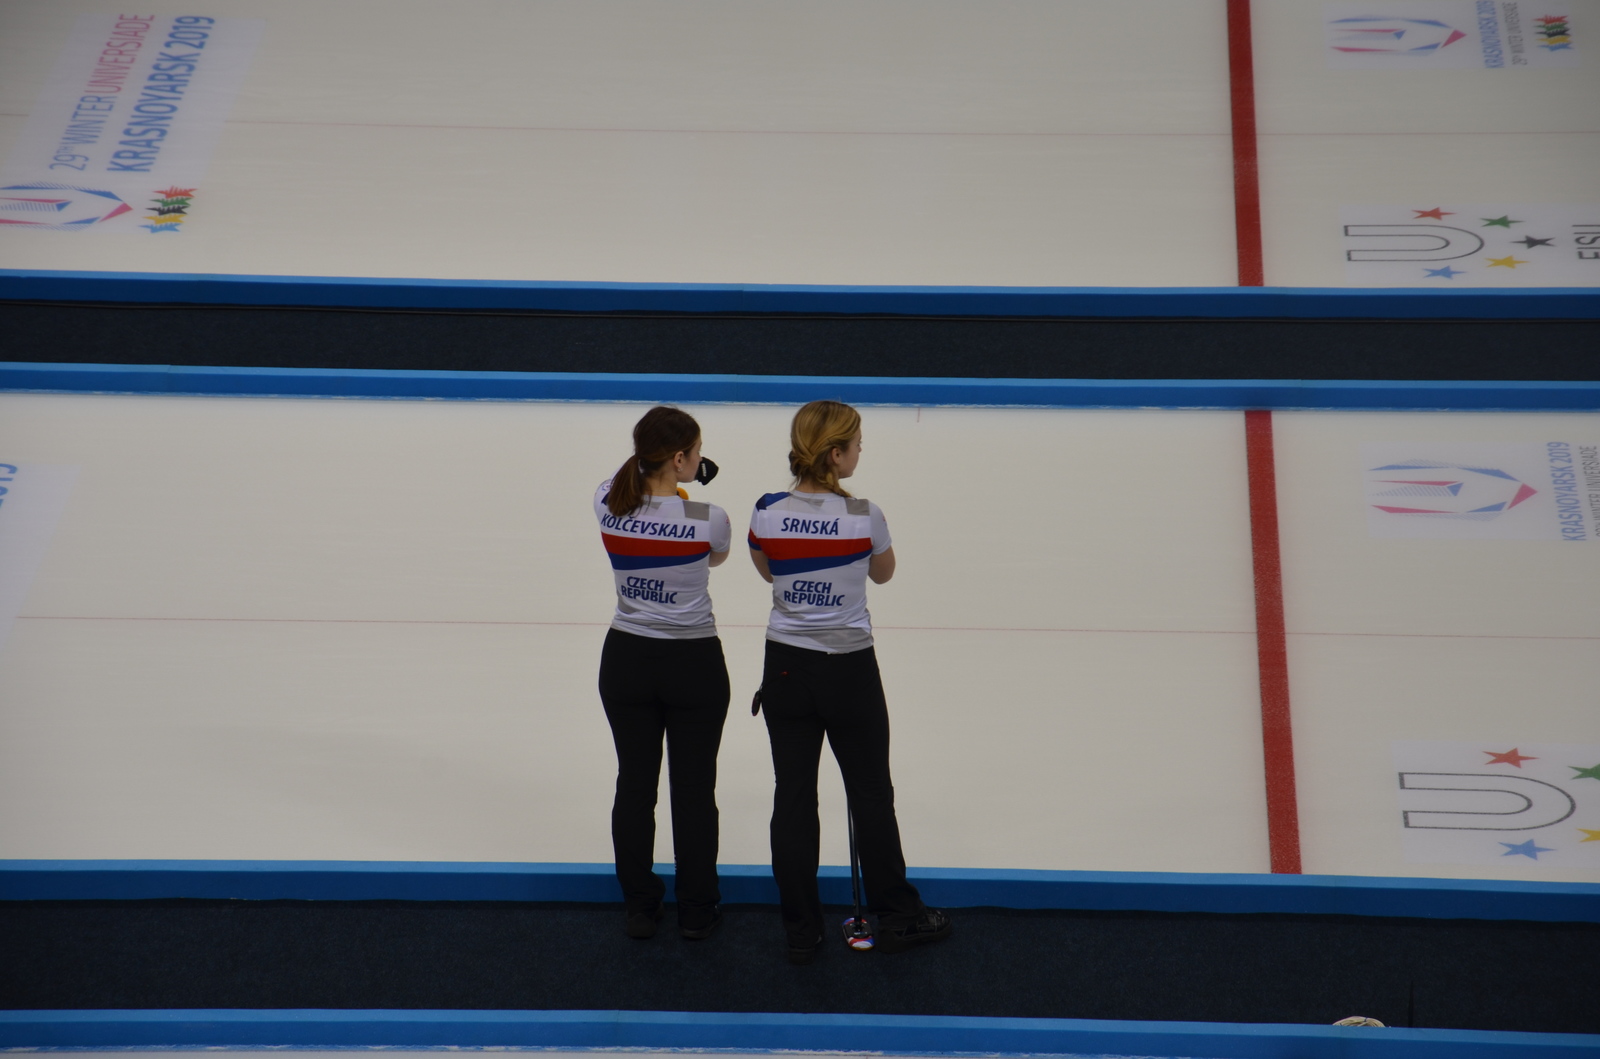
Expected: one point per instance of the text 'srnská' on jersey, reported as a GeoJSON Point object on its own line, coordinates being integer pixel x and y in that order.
{"type": "Point", "coordinates": [818, 546]}
{"type": "Point", "coordinates": [660, 560]}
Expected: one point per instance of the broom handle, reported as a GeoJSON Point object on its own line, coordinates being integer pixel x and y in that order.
{"type": "Point", "coordinates": [855, 863]}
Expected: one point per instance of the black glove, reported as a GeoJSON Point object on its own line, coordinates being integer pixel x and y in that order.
{"type": "Point", "coordinates": [705, 472]}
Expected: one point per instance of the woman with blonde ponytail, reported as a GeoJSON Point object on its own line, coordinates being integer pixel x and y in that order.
{"type": "Point", "coordinates": [818, 546]}
{"type": "Point", "coordinates": [662, 671]}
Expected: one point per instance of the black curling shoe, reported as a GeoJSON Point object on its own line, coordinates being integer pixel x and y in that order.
{"type": "Point", "coordinates": [643, 924]}
{"type": "Point", "coordinates": [706, 929]}
{"type": "Point", "coordinates": [931, 924]}
{"type": "Point", "coordinates": [801, 953]}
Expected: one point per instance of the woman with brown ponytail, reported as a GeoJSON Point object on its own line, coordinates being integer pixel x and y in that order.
{"type": "Point", "coordinates": [818, 545]}
{"type": "Point", "coordinates": [662, 671]}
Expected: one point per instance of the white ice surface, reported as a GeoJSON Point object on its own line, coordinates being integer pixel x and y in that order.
{"type": "Point", "coordinates": [1411, 137]}
{"type": "Point", "coordinates": [833, 141]}
{"type": "Point", "coordinates": [1430, 640]}
{"type": "Point", "coordinates": [281, 629]}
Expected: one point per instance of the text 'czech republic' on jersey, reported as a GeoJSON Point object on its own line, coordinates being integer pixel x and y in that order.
{"type": "Point", "coordinates": [818, 548]}
{"type": "Point", "coordinates": [660, 560]}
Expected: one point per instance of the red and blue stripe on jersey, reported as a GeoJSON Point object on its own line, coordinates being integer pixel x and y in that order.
{"type": "Point", "coordinates": [805, 554]}
{"type": "Point", "coordinates": [656, 544]}
{"type": "Point", "coordinates": [648, 553]}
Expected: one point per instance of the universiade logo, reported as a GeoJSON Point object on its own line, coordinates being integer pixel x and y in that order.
{"type": "Point", "coordinates": [58, 207]}
{"type": "Point", "coordinates": [1447, 34]}
{"type": "Point", "coordinates": [168, 210]}
{"type": "Point", "coordinates": [1399, 35]}
{"type": "Point", "coordinates": [1556, 32]}
{"type": "Point", "coordinates": [1438, 490]}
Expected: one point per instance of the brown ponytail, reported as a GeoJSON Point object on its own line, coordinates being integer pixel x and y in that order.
{"type": "Point", "coordinates": [818, 429]}
{"type": "Point", "coordinates": [660, 434]}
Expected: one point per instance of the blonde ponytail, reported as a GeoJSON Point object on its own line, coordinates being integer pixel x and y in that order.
{"type": "Point", "coordinates": [819, 428]}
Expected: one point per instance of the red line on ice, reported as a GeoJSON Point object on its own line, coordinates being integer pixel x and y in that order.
{"type": "Point", "coordinates": [1272, 653]}
{"type": "Point", "coordinates": [1246, 168]}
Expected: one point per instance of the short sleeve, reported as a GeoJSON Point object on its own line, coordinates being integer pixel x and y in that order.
{"type": "Point", "coordinates": [752, 539]}
{"type": "Point", "coordinates": [600, 494]}
{"type": "Point", "coordinates": [721, 530]}
{"type": "Point", "coordinates": [880, 530]}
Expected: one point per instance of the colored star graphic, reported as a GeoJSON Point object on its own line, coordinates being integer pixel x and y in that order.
{"type": "Point", "coordinates": [1498, 222]}
{"type": "Point", "coordinates": [176, 193]}
{"type": "Point", "coordinates": [1509, 757]}
{"type": "Point", "coordinates": [1446, 273]}
{"type": "Point", "coordinates": [1590, 773]}
{"type": "Point", "coordinates": [1551, 20]}
{"type": "Point", "coordinates": [156, 228]}
{"type": "Point", "coordinates": [1438, 213]}
{"type": "Point", "coordinates": [1525, 849]}
{"type": "Point", "coordinates": [1556, 47]}
{"type": "Point", "coordinates": [1530, 242]}
{"type": "Point", "coordinates": [1591, 835]}
{"type": "Point", "coordinates": [1505, 262]}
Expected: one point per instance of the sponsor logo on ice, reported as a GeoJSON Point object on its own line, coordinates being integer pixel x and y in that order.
{"type": "Point", "coordinates": [1494, 803]}
{"type": "Point", "coordinates": [1393, 34]}
{"type": "Point", "coordinates": [168, 210]}
{"type": "Point", "coordinates": [1472, 245]}
{"type": "Point", "coordinates": [58, 207]}
{"type": "Point", "coordinates": [125, 125]}
{"type": "Point", "coordinates": [1433, 489]}
{"type": "Point", "coordinates": [1429, 34]}
{"type": "Point", "coordinates": [69, 208]}
{"type": "Point", "coordinates": [1546, 490]}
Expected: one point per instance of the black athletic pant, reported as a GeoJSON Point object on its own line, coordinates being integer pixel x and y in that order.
{"type": "Point", "coordinates": [679, 688]}
{"type": "Point", "coordinates": [805, 696]}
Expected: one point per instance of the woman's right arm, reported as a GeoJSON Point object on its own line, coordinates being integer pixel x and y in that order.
{"type": "Point", "coordinates": [880, 567]}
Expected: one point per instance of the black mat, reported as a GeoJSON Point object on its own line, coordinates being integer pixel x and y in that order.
{"type": "Point", "coordinates": [1465, 974]}
{"type": "Point", "coordinates": [957, 347]}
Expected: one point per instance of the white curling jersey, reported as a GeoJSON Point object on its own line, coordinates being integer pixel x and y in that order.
{"type": "Point", "coordinates": [660, 559]}
{"type": "Point", "coordinates": [818, 546]}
